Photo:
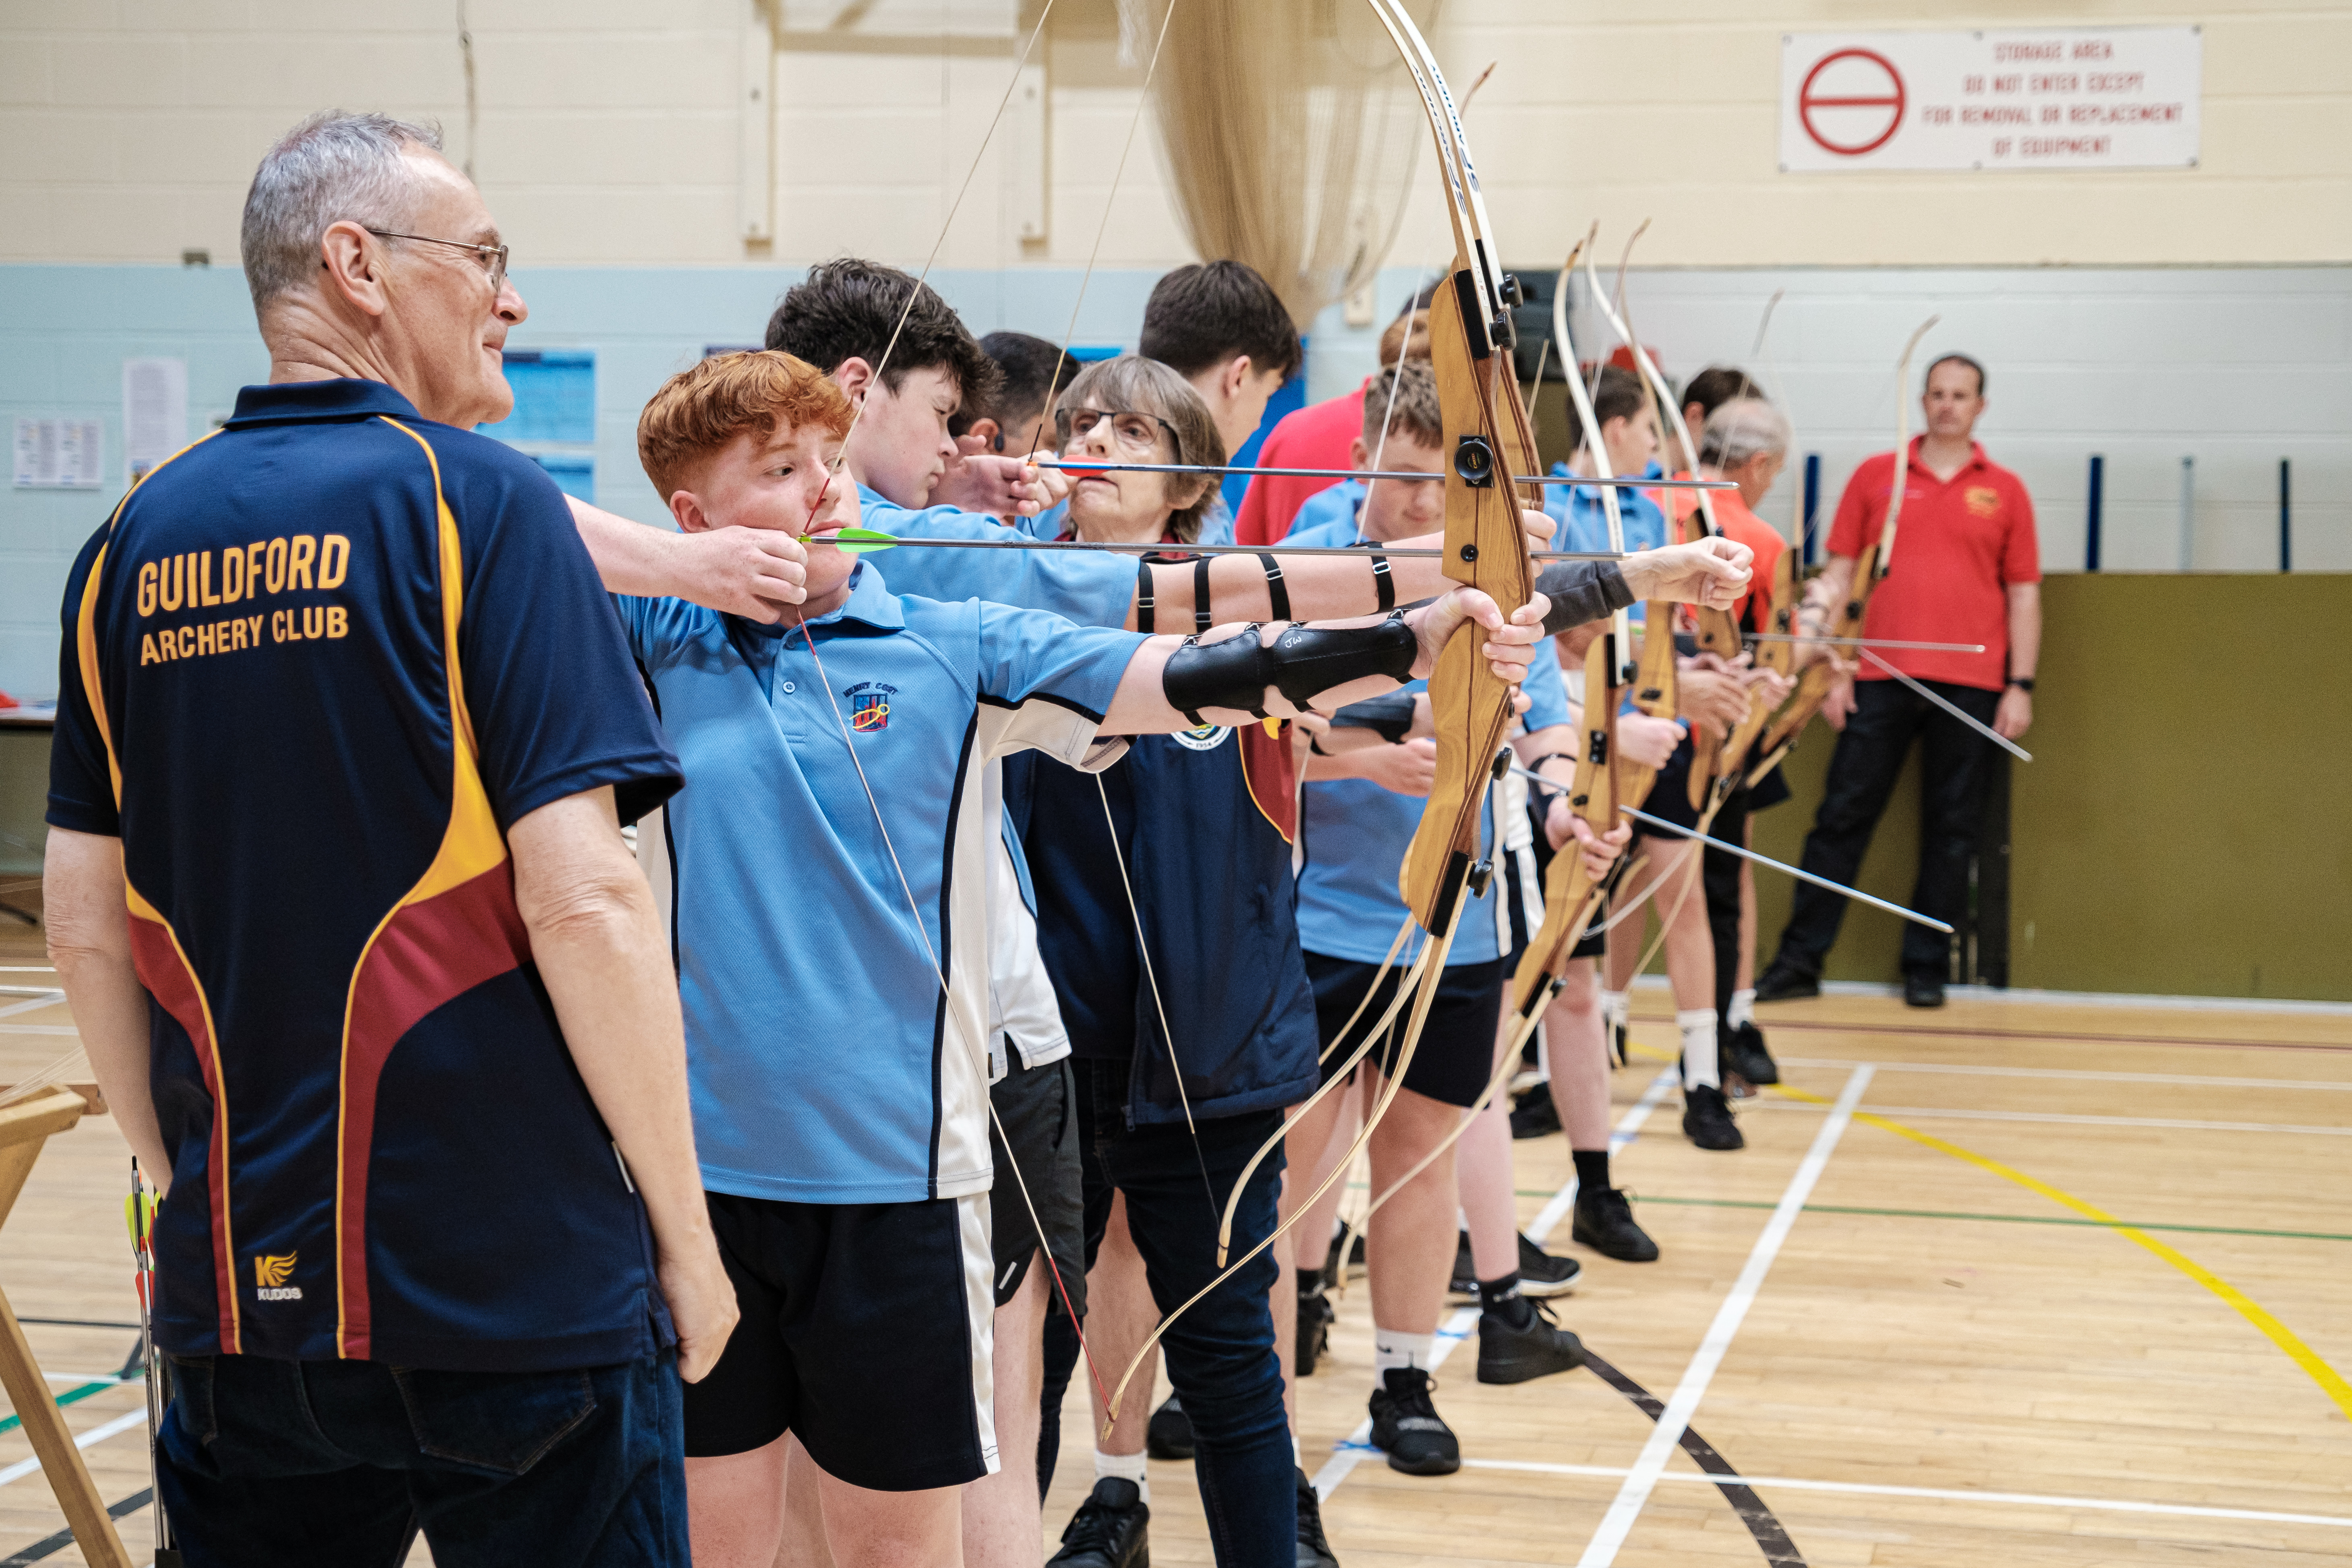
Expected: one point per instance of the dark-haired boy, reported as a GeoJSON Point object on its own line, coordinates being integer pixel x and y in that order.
{"type": "Point", "coordinates": [1222, 327]}
{"type": "Point", "coordinates": [834, 970]}
{"type": "Point", "coordinates": [1015, 421]}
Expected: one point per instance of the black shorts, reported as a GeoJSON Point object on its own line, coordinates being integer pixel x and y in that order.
{"type": "Point", "coordinates": [1670, 797]}
{"type": "Point", "coordinates": [865, 1330]}
{"type": "Point", "coordinates": [1457, 1055]}
{"type": "Point", "coordinates": [1770, 791]}
{"type": "Point", "coordinates": [1592, 943]}
{"type": "Point", "coordinates": [1037, 1108]}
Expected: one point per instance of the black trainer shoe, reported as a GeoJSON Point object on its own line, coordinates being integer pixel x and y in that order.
{"type": "Point", "coordinates": [1604, 1222]}
{"type": "Point", "coordinates": [1110, 1529]}
{"type": "Point", "coordinates": [1620, 1035]}
{"type": "Point", "coordinates": [1744, 1053]}
{"type": "Point", "coordinates": [1544, 1273]}
{"type": "Point", "coordinates": [1355, 1259]}
{"type": "Point", "coordinates": [1923, 990]}
{"type": "Point", "coordinates": [1534, 1115]}
{"type": "Point", "coordinates": [1170, 1434]}
{"type": "Point", "coordinates": [1785, 983]}
{"type": "Point", "coordinates": [1407, 1428]}
{"type": "Point", "coordinates": [1536, 1349]}
{"type": "Point", "coordinates": [1314, 1551]}
{"type": "Point", "coordinates": [1316, 1316]}
{"type": "Point", "coordinates": [1463, 1286]}
{"type": "Point", "coordinates": [1707, 1119]}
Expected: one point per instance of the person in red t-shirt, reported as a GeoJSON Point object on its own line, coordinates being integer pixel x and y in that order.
{"type": "Point", "coordinates": [1318, 437]}
{"type": "Point", "coordinates": [1964, 568]}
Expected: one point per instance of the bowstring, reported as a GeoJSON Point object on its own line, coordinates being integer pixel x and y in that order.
{"type": "Point", "coordinates": [931, 954]}
{"type": "Point", "coordinates": [1167, 1035]}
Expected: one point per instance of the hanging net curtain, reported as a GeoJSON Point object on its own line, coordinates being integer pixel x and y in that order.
{"type": "Point", "coordinates": [1290, 128]}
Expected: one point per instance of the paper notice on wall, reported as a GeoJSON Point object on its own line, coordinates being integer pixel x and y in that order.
{"type": "Point", "coordinates": [2070, 97]}
{"type": "Point", "coordinates": [154, 412]}
{"type": "Point", "coordinates": [59, 454]}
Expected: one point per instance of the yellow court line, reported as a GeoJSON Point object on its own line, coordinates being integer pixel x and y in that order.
{"type": "Point", "coordinates": [2330, 1381]}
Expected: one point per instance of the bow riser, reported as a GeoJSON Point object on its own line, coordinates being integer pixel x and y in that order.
{"type": "Point", "coordinates": [1570, 894]}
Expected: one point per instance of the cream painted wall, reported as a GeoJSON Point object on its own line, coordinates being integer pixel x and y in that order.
{"type": "Point", "coordinates": [614, 133]}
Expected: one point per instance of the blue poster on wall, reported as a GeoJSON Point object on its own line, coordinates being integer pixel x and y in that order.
{"type": "Point", "coordinates": [555, 417]}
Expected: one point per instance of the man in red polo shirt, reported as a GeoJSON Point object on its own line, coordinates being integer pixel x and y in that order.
{"type": "Point", "coordinates": [1964, 568]}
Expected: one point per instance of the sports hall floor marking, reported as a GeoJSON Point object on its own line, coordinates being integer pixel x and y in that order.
{"type": "Point", "coordinates": [2085, 1119]}
{"type": "Point", "coordinates": [1865, 1488]}
{"type": "Point", "coordinates": [2184, 1080]}
{"type": "Point", "coordinates": [1663, 1440]}
{"type": "Point", "coordinates": [2006, 1219]}
{"type": "Point", "coordinates": [47, 999]}
{"type": "Point", "coordinates": [1973, 1034]}
{"type": "Point", "coordinates": [2329, 1380]}
{"type": "Point", "coordinates": [49, 1546]}
{"type": "Point", "coordinates": [91, 1438]}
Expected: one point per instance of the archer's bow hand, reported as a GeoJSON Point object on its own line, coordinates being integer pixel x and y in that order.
{"type": "Point", "coordinates": [999, 487]}
{"type": "Point", "coordinates": [1509, 643]}
{"type": "Point", "coordinates": [1539, 528]}
{"type": "Point", "coordinates": [1709, 572]}
{"type": "Point", "coordinates": [1599, 849]}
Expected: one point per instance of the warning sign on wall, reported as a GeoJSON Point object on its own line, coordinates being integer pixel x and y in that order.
{"type": "Point", "coordinates": [2109, 98]}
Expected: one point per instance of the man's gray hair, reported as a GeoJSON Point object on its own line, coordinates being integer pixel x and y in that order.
{"type": "Point", "coordinates": [1740, 429]}
{"type": "Point", "coordinates": [335, 165]}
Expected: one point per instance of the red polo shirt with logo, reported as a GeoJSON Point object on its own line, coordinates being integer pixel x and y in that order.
{"type": "Point", "coordinates": [1958, 546]}
{"type": "Point", "coordinates": [1742, 526]}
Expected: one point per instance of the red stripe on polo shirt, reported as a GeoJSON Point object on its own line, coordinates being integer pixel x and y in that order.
{"type": "Point", "coordinates": [1959, 545]}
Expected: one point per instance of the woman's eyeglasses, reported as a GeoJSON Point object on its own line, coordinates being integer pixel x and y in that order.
{"type": "Point", "coordinates": [1134, 432]}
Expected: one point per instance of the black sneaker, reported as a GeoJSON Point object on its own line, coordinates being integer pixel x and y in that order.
{"type": "Point", "coordinates": [1604, 1222]}
{"type": "Point", "coordinates": [1923, 990]}
{"type": "Point", "coordinates": [1543, 1273]}
{"type": "Point", "coordinates": [1744, 1053]}
{"type": "Point", "coordinates": [1707, 1119]}
{"type": "Point", "coordinates": [1534, 1115]}
{"type": "Point", "coordinates": [1170, 1434]}
{"type": "Point", "coordinates": [1536, 1349]}
{"type": "Point", "coordinates": [1110, 1529]}
{"type": "Point", "coordinates": [1785, 983]}
{"type": "Point", "coordinates": [1314, 1551]}
{"type": "Point", "coordinates": [1620, 1035]}
{"type": "Point", "coordinates": [1406, 1425]}
{"type": "Point", "coordinates": [1464, 1284]}
{"type": "Point", "coordinates": [1314, 1319]}
{"type": "Point", "coordinates": [1355, 1259]}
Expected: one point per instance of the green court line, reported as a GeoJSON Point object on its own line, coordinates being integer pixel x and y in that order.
{"type": "Point", "coordinates": [1999, 1218]}
{"type": "Point", "coordinates": [10, 1422]}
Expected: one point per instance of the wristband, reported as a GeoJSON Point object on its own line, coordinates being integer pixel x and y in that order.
{"type": "Point", "coordinates": [2023, 683]}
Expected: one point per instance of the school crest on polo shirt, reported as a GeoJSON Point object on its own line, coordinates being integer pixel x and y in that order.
{"type": "Point", "coordinates": [1207, 738]}
{"type": "Point", "coordinates": [869, 706]}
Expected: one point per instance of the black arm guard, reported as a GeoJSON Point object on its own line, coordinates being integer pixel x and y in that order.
{"type": "Point", "coordinates": [1388, 717]}
{"type": "Point", "coordinates": [1302, 663]}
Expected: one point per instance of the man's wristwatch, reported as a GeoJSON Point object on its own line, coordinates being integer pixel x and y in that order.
{"type": "Point", "coordinates": [2023, 683]}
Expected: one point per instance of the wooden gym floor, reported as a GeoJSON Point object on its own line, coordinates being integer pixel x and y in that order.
{"type": "Point", "coordinates": [2020, 1283]}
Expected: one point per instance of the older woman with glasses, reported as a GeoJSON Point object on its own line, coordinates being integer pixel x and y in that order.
{"type": "Point", "coordinates": [1135, 410]}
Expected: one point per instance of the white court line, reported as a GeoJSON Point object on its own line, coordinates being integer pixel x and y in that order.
{"type": "Point", "coordinates": [1353, 1449]}
{"type": "Point", "coordinates": [2032, 1500]}
{"type": "Point", "coordinates": [1665, 1436]}
{"type": "Point", "coordinates": [95, 1436]}
{"type": "Point", "coordinates": [27, 969]}
{"type": "Point", "coordinates": [2187, 1080]}
{"type": "Point", "coordinates": [35, 1005]}
{"type": "Point", "coordinates": [38, 1028]}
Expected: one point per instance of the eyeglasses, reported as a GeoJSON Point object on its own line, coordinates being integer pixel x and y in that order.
{"type": "Point", "coordinates": [1133, 431]}
{"type": "Point", "coordinates": [493, 257]}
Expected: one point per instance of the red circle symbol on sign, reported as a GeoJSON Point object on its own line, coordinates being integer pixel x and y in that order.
{"type": "Point", "coordinates": [1864, 94]}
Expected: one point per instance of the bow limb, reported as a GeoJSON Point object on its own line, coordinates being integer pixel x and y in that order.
{"type": "Point", "coordinates": [1818, 680]}
{"type": "Point", "coordinates": [1571, 895]}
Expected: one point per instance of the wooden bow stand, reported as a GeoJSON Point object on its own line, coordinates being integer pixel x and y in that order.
{"type": "Point", "coordinates": [24, 1127]}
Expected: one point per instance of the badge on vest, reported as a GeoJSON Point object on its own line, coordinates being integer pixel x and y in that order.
{"type": "Point", "coordinates": [1207, 738]}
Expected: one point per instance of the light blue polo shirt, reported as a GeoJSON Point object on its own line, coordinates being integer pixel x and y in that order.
{"type": "Point", "coordinates": [1216, 523]}
{"type": "Point", "coordinates": [1090, 588]}
{"type": "Point", "coordinates": [1584, 519]}
{"type": "Point", "coordinates": [1353, 835]}
{"type": "Point", "coordinates": [1324, 508]}
{"type": "Point", "coordinates": [823, 1065]}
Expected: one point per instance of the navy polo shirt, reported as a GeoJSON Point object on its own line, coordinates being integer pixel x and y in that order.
{"type": "Point", "coordinates": [314, 668]}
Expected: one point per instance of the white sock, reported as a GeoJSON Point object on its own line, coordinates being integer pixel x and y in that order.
{"type": "Point", "coordinates": [1616, 1007]}
{"type": "Point", "coordinates": [1298, 1451]}
{"type": "Point", "coordinates": [1136, 1468]}
{"type": "Point", "coordinates": [1743, 1007]}
{"type": "Point", "coordinates": [1392, 1349]}
{"type": "Point", "coordinates": [1697, 1024]}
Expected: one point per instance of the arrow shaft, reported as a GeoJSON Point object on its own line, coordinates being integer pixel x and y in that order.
{"type": "Point", "coordinates": [1554, 480]}
{"type": "Point", "coordinates": [1970, 720]}
{"type": "Point", "coordinates": [1359, 551]}
{"type": "Point", "coordinates": [1855, 893]}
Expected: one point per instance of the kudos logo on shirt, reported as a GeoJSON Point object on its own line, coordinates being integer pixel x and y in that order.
{"type": "Point", "coordinates": [269, 1276]}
